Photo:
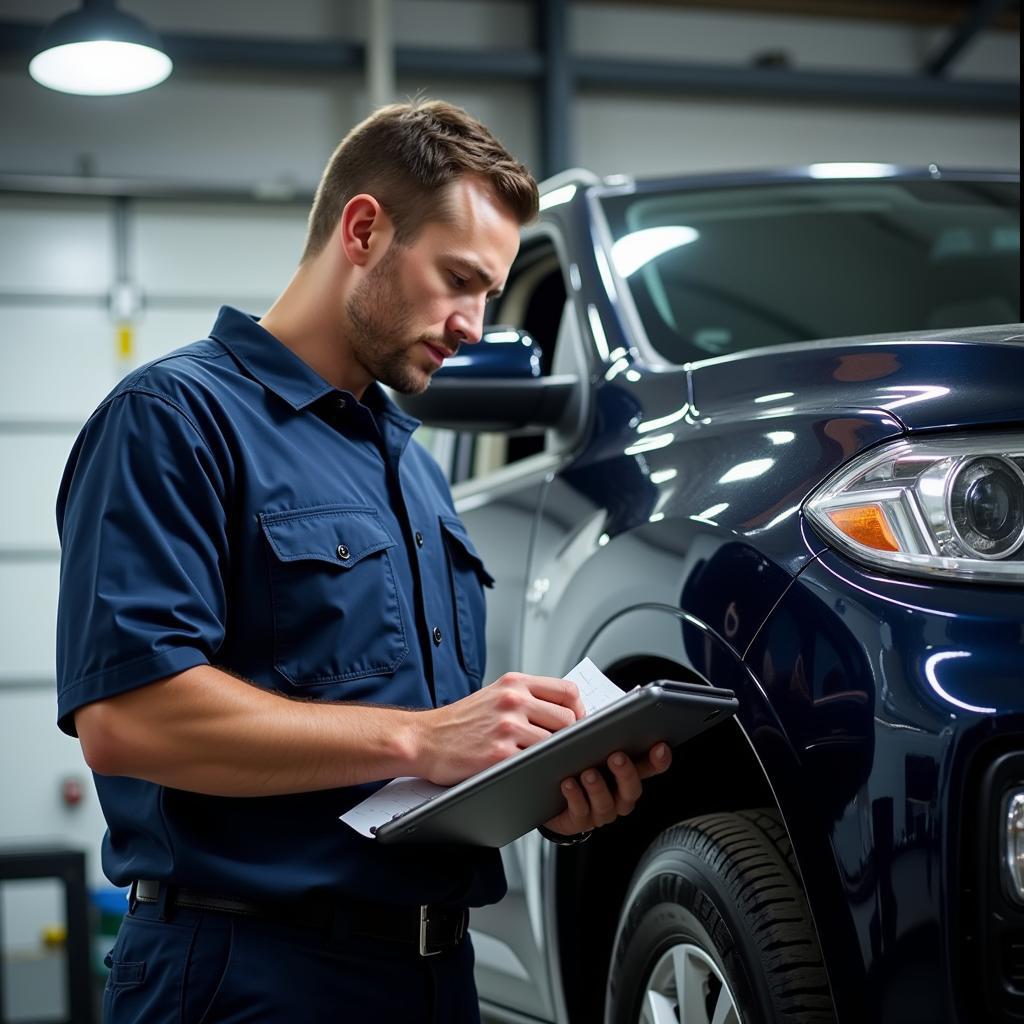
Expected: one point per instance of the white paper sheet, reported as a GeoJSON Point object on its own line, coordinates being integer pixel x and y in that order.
{"type": "Point", "coordinates": [596, 689]}
{"type": "Point", "coordinates": [401, 795]}
{"type": "Point", "coordinates": [397, 797]}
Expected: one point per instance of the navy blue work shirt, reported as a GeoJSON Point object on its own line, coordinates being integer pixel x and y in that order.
{"type": "Point", "coordinates": [226, 505]}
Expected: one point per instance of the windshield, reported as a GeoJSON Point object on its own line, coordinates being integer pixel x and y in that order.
{"type": "Point", "coordinates": [717, 271]}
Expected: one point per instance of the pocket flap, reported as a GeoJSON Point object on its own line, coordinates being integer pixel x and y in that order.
{"type": "Point", "coordinates": [338, 534]}
{"type": "Point", "coordinates": [456, 536]}
{"type": "Point", "coordinates": [127, 973]}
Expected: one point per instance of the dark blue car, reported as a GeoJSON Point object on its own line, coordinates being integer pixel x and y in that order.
{"type": "Point", "coordinates": [667, 469]}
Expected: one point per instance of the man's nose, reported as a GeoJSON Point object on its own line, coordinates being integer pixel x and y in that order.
{"type": "Point", "coordinates": [467, 326]}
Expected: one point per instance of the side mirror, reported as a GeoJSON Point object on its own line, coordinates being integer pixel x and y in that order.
{"type": "Point", "coordinates": [503, 352]}
{"type": "Point", "coordinates": [494, 385]}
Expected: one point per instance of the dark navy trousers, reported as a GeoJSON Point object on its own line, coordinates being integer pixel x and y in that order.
{"type": "Point", "coordinates": [204, 967]}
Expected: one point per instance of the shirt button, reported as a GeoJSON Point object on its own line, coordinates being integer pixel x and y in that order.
{"type": "Point", "coordinates": [339, 403]}
{"type": "Point", "coordinates": [419, 539]}
{"type": "Point", "coordinates": [437, 636]}
{"type": "Point", "coordinates": [343, 552]}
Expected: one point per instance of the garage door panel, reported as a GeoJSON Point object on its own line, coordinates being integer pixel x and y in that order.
{"type": "Point", "coordinates": [64, 246]}
{"type": "Point", "coordinates": [58, 363]}
{"type": "Point", "coordinates": [197, 250]}
{"type": "Point", "coordinates": [163, 330]}
{"type": "Point", "coordinates": [31, 468]}
{"type": "Point", "coordinates": [28, 595]}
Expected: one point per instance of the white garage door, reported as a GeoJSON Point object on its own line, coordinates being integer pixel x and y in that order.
{"type": "Point", "coordinates": [65, 263]}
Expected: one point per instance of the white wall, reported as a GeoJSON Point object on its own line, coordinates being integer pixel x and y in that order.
{"type": "Point", "coordinates": [59, 355]}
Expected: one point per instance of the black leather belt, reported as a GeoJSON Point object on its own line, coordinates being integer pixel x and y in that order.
{"type": "Point", "coordinates": [428, 929]}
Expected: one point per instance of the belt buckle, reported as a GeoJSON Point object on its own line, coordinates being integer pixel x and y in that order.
{"type": "Point", "coordinates": [425, 947]}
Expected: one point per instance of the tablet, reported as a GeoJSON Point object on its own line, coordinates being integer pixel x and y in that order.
{"type": "Point", "coordinates": [510, 798]}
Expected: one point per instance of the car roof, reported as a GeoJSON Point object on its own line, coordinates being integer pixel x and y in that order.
{"type": "Point", "coordinates": [847, 171]}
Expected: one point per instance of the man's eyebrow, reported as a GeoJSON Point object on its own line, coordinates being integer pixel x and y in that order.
{"type": "Point", "coordinates": [475, 269]}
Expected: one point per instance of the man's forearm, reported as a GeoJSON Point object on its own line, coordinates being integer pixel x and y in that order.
{"type": "Point", "coordinates": [208, 732]}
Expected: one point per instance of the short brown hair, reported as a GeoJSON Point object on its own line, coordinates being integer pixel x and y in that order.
{"type": "Point", "coordinates": [404, 155]}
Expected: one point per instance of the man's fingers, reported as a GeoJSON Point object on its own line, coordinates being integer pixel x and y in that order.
{"type": "Point", "coordinates": [658, 759]}
{"type": "Point", "coordinates": [557, 691]}
{"type": "Point", "coordinates": [602, 803]}
{"type": "Point", "coordinates": [577, 804]}
{"type": "Point", "coordinates": [628, 786]}
{"type": "Point", "coordinates": [534, 734]}
{"type": "Point", "coordinates": [548, 715]}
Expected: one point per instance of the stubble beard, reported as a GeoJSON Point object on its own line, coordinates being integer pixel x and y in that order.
{"type": "Point", "coordinates": [380, 318]}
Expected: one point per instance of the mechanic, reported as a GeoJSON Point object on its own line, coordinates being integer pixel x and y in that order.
{"type": "Point", "coordinates": [268, 605]}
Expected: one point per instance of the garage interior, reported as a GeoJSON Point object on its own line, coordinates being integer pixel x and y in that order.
{"type": "Point", "coordinates": [127, 220]}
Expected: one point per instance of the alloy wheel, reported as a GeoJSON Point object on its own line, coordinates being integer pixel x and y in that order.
{"type": "Point", "coordinates": [686, 987]}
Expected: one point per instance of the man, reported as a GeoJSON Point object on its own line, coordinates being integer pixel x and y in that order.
{"type": "Point", "coordinates": [268, 606]}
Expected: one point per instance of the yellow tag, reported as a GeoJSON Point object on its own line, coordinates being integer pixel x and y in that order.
{"type": "Point", "coordinates": [125, 341]}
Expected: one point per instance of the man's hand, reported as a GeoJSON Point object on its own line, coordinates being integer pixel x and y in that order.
{"type": "Point", "coordinates": [513, 713]}
{"type": "Point", "coordinates": [590, 803]}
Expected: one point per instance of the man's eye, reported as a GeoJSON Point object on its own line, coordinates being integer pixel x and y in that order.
{"type": "Point", "coordinates": [457, 282]}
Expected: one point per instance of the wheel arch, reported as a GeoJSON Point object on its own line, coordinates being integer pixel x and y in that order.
{"type": "Point", "coordinates": [741, 764]}
{"type": "Point", "coordinates": [586, 926]}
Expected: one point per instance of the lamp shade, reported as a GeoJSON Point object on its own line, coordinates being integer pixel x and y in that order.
{"type": "Point", "coordinates": [99, 51]}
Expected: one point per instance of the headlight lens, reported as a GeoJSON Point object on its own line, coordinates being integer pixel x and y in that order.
{"type": "Point", "coordinates": [1013, 844]}
{"type": "Point", "coordinates": [986, 505]}
{"type": "Point", "coordinates": [949, 507]}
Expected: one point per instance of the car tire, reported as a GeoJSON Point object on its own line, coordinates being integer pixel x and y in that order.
{"type": "Point", "coordinates": [716, 929]}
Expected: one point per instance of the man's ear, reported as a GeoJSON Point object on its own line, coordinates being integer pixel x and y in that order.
{"type": "Point", "coordinates": [365, 230]}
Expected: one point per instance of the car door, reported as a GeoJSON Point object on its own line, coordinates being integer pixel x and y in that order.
{"type": "Point", "coordinates": [499, 484]}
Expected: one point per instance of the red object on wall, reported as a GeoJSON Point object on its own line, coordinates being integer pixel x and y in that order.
{"type": "Point", "coordinates": [71, 791]}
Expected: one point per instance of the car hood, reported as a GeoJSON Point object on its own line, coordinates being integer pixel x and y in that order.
{"type": "Point", "coordinates": [926, 379]}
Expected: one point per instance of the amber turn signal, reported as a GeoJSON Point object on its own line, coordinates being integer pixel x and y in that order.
{"type": "Point", "coordinates": [867, 525]}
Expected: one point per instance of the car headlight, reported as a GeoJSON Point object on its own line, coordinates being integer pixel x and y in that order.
{"type": "Point", "coordinates": [949, 507]}
{"type": "Point", "coordinates": [1013, 844]}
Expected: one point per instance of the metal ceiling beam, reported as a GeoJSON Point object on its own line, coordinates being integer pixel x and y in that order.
{"type": "Point", "coordinates": [981, 16]}
{"type": "Point", "coordinates": [495, 65]}
{"type": "Point", "coordinates": [18, 39]}
{"type": "Point", "coordinates": [907, 12]}
{"type": "Point", "coordinates": [260, 55]}
{"type": "Point", "coordinates": [149, 188]}
{"type": "Point", "coordinates": [776, 83]}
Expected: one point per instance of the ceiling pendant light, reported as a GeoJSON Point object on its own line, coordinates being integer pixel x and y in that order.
{"type": "Point", "coordinates": [99, 51]}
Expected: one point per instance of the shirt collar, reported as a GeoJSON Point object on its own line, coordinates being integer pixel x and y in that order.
{"type": "Point", "coordinates": [280, 370]}
{"type": "Point", "coordinates": [274, 365]}
{"type": "Point", "coordinates": [383, 405]}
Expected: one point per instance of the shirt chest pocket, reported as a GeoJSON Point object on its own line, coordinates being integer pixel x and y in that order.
{"type": "Point", "coordinates": [335, 601]}
{"type": "Point", "coordinates": [467, 578]}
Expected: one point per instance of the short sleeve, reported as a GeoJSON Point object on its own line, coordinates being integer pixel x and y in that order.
{"type": "Point", "coordinates": [144, 552]}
